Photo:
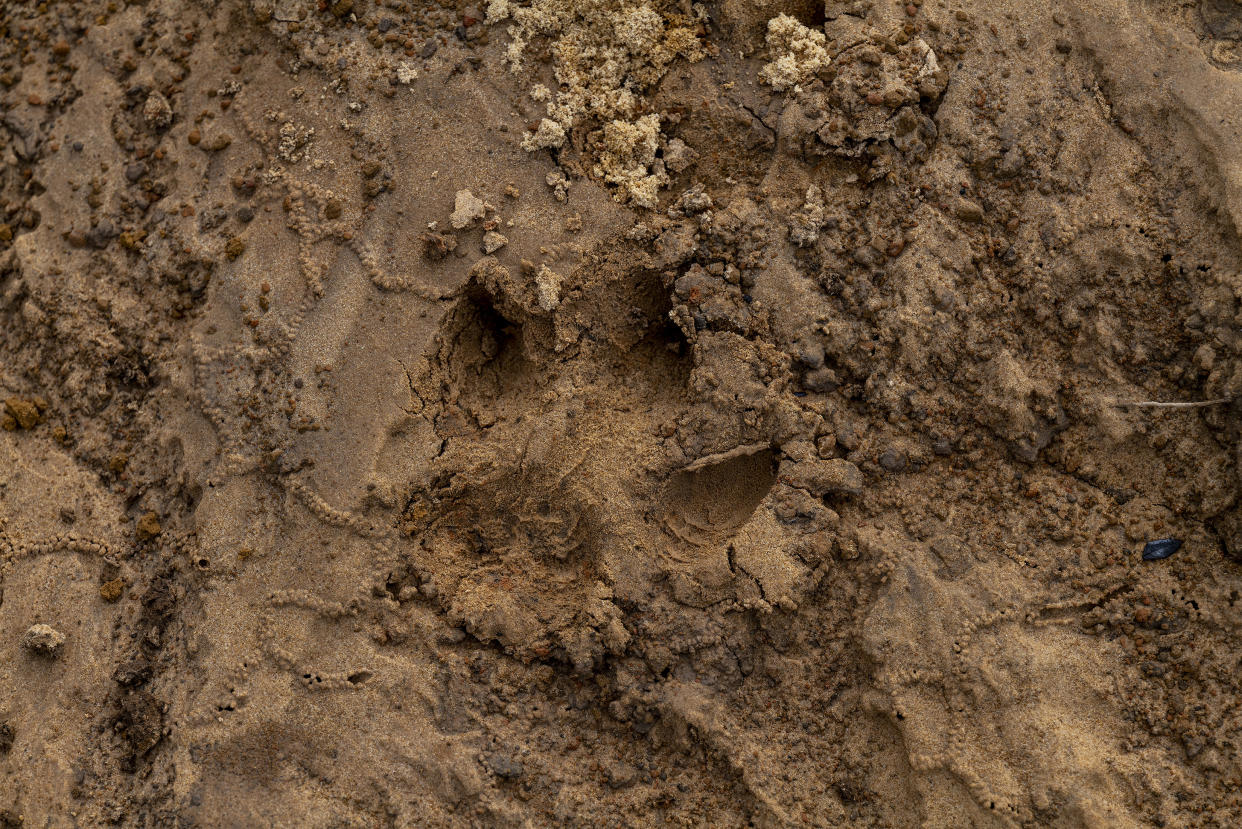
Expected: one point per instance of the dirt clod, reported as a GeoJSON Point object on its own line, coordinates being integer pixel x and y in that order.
{"type": "Point", "coordinates": [43, 640]}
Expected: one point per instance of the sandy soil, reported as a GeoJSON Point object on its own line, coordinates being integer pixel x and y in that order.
{"type": "Point", "coordinates": [600, 413]}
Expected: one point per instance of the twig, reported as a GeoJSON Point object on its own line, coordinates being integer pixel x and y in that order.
{"type": "Point", "coordinates": [1153, 404]}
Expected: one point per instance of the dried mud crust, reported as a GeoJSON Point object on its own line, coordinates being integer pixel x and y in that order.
{"type": "Point", "coordinates": [578, 413]}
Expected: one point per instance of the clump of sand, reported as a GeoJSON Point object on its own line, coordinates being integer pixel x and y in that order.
{"type": "Point", "coordinates": [605, 56]}
{"type": "Point", "coordinates": [798, 52]}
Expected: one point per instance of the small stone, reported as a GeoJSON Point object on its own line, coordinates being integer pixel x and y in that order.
{"type": "Point", "coordinates": [505, 767]}
{"type": "Point", "coordinates": [332, 210]}
{"type": "Point", "coordinates": [493, 241]}
{"type": "Point", "coordinates": [245, 214]}
{"type": "Point", "coordinates": [102, 233]}
{"type": "Point", "coordinates": [44, 640]}
{"type": "Point", "coordinates": [235, 248]}
{"type": "Point", "coordinates": [148, 526]}
{"type": "Point", "coordinates": [110, 591]}
{"type": "Point", "coordinates": [7, 737]}
{"type": "Point", "coordinates": [468, 208]}
{"type": "Point", "coordinates": [1161, 548]}
{"type": "Point", "coordinates": [135, 171]}
{"type": "Point", "coordinates": [157, 112]}
{"type": "Point", "coordinates": [967, 210]}
{"type": "Point", "coordinates": [893, 460]}
{"type": "Point", "coordinates": [194, 136]}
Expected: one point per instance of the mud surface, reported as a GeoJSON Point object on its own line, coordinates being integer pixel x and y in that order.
{"type": "Point", "coordinates": [584, 413]}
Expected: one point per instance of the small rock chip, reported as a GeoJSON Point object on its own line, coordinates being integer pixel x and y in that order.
{"type": "Point", "coordinates": [893, 460]}
{"type": "Point", "coordinates": [148, 526]}
{"type": "Point", "coordinates": [967, 210]}
{"type": "Point", "coordinates": [493, 241]}
{"type": "Point", "coordinates": [7, 737]}
{"type": "Point", "coordinates": [44, 640]}
{"type": "Point", "coordinates": [1161, 548]}
{"type": "Point", "coordinates": [235, 248]}
{"type": "Point", "coordinates": [110, 591]}
{"type": "Point", "coordinates": [468, 208]}
{"type": "Point", "coordinates": [505, 767]}
{"type": "Point", "coordinates": [157, 112]}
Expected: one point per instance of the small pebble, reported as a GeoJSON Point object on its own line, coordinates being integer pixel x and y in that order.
{"type": "Point", "coordinates": [1161, 548]}
{"type": "Point", "coordinates": [506, 767]}
{"type": "Point", "coordinates": [893, 460]}
{"type": "Point", "coordinates": [967, 210]}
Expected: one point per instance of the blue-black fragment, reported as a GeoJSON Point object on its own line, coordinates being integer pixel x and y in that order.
{"type": "Point", "coordinates": [1161, 548]}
